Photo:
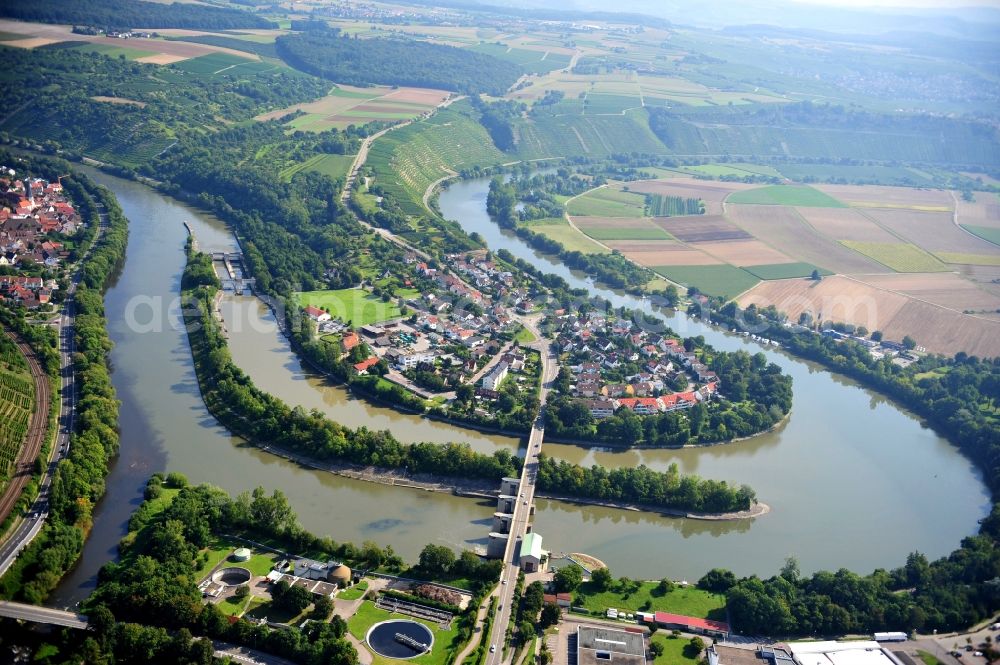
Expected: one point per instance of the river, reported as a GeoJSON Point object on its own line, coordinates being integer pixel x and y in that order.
{"type": "Point", "coordinates": [853, 481]}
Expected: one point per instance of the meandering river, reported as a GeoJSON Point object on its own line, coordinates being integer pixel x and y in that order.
{"type": "Point", "coordinates": [852, 480]}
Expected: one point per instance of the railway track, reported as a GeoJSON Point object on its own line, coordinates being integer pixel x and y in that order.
{"type": "Point", "coordinates": [37, 429]}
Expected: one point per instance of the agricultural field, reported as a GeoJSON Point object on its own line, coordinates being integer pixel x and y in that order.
{"type": "Point", "coordinates": [569, 237]}
{"type": "Point", "coordinates": [987, 233]}
{"type": "Point", "coordinates": [605, 104]}
{"type": "Point", "coordinates": [659, 205]}
{"type": "Point", "coordinates": [654, 253]}
{"type": "Point", "coordinates": [941, 288]}
{"type": "Point", "coordinates": [743, 252]}
{"type": "Point", "coordinates": [620, 228]}
{"type": "Point", "coordinates": [17, 401]}
{"type": "Point", "coordinates": [786, 270]}
{"type": "Point", "coordinates": [335, 166]}
{"type": "Point", "coordinates": [932, 231]}
{"type": "Point", "coordinates": [983, 212]}
{"type": "Point", "coordinates": [872, 196]}
{"type": "Point", "coordinates": [702, 228]}
{"type": "Point", "coordinates": [846, 224]}
{"type": "Point", "coordinates": [217, 63]}
{"type": "Point", "coordinates": [531, 61]}
{"type": "Point", "coordinates": [900, 257]}
{"type": "Point", "coordinates": [786, 230]}
{"type": "Point", "coordinates": [114, 51]}
{"type": "Point", "coordinates": [787, 195]}
{"type": "Point", "coordinates": [738, 169]}
{"type": "Point", "coordinates": [842, 299]}
{"type": "Point", "coordinates": [607, 202]}
{"type": "Point", "coordinates": [158, 51]}
{"type": "Point", "coordinates": [887, 175]}
{"type": "Point", "coordinates": [348, 105]}
{"type": "Point", "coordinates": [714, 280]}
{"type": "Point", "coordinates": [354, 306]}
{"type": "Point", "coordinates": [540, 137]}
{"type": "Point", "coordinates": [712, 193]}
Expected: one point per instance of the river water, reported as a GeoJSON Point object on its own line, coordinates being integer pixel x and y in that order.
{"type": "Point", "coordinates": [852, 480]}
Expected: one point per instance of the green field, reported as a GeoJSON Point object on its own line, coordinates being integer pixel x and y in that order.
{"type": "Point", "coordinates": [871, 173]}
{"type": "Point", "coordinates": [17, 401]}
{"type": "Point", "coordinates": [368, 615]}
{"type": "Point", "coordinates": [969, 259]}
{"type": "Point", "coordinates": [569, 238]}
{"type": "Point", "coordinates": [599, 104]}
{"type": "Point", "coordinates": [689, 600]}
{"type": "Point", "coordinates": [353, 306]}
{"type": "Point", "coordinates": [785, 270]}
{"type": "Point", "coordinates": [723, 280]}
{"type": "Point", "coordinates": [335, 166]}
{"type": "Point", "coordinates": [114, 51]}
{"type": "Point", "coordinates": [530, 61]}
{"type": "Point", "coordinates": [987, 233]}
{"type": "Point", "coordinates": [608, 202]}
{"type": "Point", "coordinates": [786, 195]}
{"type": "Point", "coordinates": [901, 257]}
{"type": "Point", "coordinates": [213, 63]}
{"type": "Point", "coordinates": [651, 233]}
{"type": "Point", "coordinates": [738, 169]}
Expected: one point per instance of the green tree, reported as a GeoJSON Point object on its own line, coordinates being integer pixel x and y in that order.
{"type": "Point", "coordinates": [568, 578]}
{"type": "Point", "coordinates": [436, 559]}
{"type": "Point", "coordinates": [909, 343]}
{"type": "Point", "coordinates": [602, 578]}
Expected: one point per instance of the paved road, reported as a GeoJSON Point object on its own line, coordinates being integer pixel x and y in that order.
{"type": "Point", "coordinates": [522, 508]}
{"type": "Point", "coordinates": [29, 527]}
{"type": "Point", "coordinates": [42, 615]}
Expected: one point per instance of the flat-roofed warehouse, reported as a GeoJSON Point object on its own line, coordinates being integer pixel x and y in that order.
{"type": "Point", "coordinates": [604, 646]}
{"type": "Point", "coordinates": [841, 653]}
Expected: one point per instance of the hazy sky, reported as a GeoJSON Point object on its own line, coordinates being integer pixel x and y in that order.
{"type": "Point", "coordinates": [945, 4]}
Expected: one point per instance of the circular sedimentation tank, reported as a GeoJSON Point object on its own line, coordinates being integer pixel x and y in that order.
{"type": "Point", "coordinates": [400, 639]}
{"type": "Point", "coordinates": [232, 576]}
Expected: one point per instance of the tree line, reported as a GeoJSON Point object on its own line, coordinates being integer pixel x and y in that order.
{"type": "Point", "coordinates": [128, 14]}
{"type": "Point", "coordinates": [339, 57]}
{"type": "Point", "coordinates": [642, 485]}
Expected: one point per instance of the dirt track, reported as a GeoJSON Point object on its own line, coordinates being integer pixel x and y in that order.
{"type": "Point", "coordinates": [36, 430]}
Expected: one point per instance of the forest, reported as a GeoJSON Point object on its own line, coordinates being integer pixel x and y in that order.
{"type": "Point", "coordinates": [344, 59]}
{"type": "Point", "coordinates": [78, 483]}
{"type": "Point", "coordinates": [129, 14]}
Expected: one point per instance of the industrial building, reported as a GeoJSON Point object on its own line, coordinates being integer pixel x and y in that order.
{"type": "Point", "coordinates": [805, 653]}
{"type": "Point", "coordinates": [331, 571]}
{"type": "Point", "coordinates": [687, 624]}
{"type": "Point", "coordinates": [609, 646]}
